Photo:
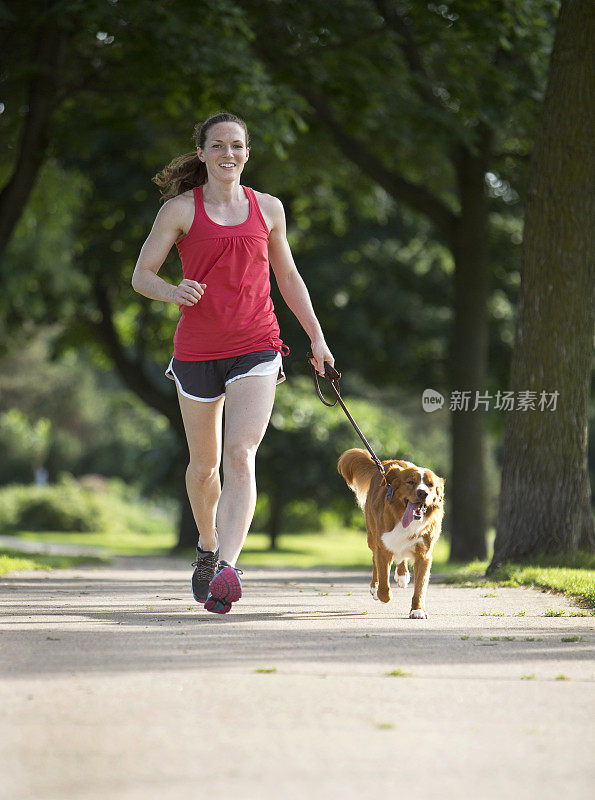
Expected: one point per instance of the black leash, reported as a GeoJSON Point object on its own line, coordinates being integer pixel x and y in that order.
{"type": "Point", "coordinates": [333, 377]}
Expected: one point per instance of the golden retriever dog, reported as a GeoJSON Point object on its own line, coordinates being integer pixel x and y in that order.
{"type": "Point", "coordinates": [403, 520]}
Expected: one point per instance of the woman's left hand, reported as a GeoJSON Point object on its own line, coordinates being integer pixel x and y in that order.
{"type": "Point", "coordinates": [321, 353]}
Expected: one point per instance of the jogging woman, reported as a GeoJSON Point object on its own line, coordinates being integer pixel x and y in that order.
{"type": "Point", "coordinates": [227, 345]}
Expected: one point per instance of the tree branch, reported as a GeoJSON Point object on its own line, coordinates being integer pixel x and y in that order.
{"type": "Point", "coordinates": [512, 154]}
{"type": "Point", "coordinates": [130, 370]}
{"type": "Point", "coordinates": [42, 101]}
{"type": "Point", "coordinates": [414, 195]}
{"type": "Point", "coordinates": [400, 25]}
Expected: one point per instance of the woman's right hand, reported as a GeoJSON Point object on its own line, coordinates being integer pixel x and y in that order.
{"type": "Point", "coordinates": [188, 293]}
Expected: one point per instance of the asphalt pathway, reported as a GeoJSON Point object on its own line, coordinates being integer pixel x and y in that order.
{"type": "Point", "coordinates": [114, 684]}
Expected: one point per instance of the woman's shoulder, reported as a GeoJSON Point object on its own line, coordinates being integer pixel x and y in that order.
{"type": "Point", "coordinates": [271, 209]}
{"type": "Point", "coordinates": [181, 201]}
{"type": "Point", "coordinates": [269, 204]}
{"type": "Point", "coordinates": [178, 211]}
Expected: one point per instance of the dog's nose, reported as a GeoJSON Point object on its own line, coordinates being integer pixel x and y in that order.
{"type": "Point", "coordinates": [422, 494]}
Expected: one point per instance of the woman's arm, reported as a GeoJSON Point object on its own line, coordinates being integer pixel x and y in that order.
{"type": "Point", "coordinates": [291, 284]}
{"type": "Point", "coordinates": [170, 224]}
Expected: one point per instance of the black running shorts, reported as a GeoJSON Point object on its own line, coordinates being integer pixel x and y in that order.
{"type": "Point", "coordinates": [206, 380]}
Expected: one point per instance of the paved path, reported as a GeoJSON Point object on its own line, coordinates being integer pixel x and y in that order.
{"type": "Point", "coordinates": [115, 685]}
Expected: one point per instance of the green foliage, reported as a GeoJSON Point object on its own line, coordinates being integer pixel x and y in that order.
{"type": "Point", "coordinates": [69, 416]}
{"type": "Point", "coordinates": [111, 134]}
{"type": "Point", "coordinates": [64, 507]}
{"type": "Point", "coordinates": [39, 279]}
{"type": "Point", "coordinates": [382, 286]}
{"type": "Point", "coordinates": [24, 445]}
{"type": "Point", "coordinates": [91, 506]}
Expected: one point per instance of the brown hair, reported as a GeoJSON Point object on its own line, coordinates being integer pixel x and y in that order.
{"type": "Point", "coordinates": [187, 171]}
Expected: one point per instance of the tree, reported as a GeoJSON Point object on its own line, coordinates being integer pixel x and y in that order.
{"type": "Point", "coordinates": [545, 494]}
{"type": "Point", "coordinates": [64, 58]}
{"type": "Point", "coordinates": [114, 97]}
{"type": "Point", "coordinates": [425, 101]}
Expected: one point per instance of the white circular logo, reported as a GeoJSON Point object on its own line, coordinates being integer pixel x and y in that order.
{"type": "Point", "coordinates": [431, 400]}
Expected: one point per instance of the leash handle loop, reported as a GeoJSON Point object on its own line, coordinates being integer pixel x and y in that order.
{"type": "Point", "coordinates": [332, 376]}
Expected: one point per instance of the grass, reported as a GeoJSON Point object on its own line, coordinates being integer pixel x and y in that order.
{"type": "Point", "coordinates": [338, 548]}
{"type": "Point", "coordinates": [575, 579]}
{"type": "Point", "coordinates": [332, 549]}
{"type": "Point", "coordinates": [119, 542]}
{"type": "Point", "coordinates": [11, 560]}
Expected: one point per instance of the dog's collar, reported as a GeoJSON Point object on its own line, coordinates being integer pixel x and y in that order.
{"type": "Point", "coordinates": [389, 488]}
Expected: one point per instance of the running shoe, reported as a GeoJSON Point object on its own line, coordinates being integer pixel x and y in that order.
{"type": "Point", "coordinates": [224, 589]}
{"type": "Point", "coordinates": [205, 568]}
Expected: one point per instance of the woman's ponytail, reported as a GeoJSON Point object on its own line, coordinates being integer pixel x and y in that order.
{"type": "Point", "coordinates": [183, 173]}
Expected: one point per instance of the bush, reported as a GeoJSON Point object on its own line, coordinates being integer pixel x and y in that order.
{"type": "Point", "coordinates": [91, 504]}
{"type": "Point", "coordinates": [61, 507]}
{"type": "Point", "coordinates": [23, 444]}
{"type": "Point", "coordinates": [302, 515]}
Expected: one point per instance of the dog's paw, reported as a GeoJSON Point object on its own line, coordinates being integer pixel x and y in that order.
{"type": "Point", "coordinates": [374, 592]}
{"type": "Point", "coordinates": [402, 580]}
{"type": "Point", "coordinates": [417, 613]}
{"type": "Point", "coordinates": [384, 595]}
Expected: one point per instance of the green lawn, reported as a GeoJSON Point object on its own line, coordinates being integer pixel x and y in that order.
{"type": "Point", "coordinates": [11, 560]}
{"type": "Point", "coordinates": [118, 542]}
{"type": "Point", "coordinates": [337, 549]}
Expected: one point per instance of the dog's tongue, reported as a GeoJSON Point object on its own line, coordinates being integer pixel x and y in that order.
{"type": "Point", "coordinates": [410, 514]}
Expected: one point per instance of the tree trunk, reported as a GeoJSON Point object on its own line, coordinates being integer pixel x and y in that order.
{"type": "Point", "coordinates": [42, 102]}
{"type": "Point", "coordinates": [187, 532]}
{"type": "Point", "coordinates": [275, 519]}
{"type": "Point", "coordinates": [545, 494]}
{"type": "Point", "coordinates": [468, 357]}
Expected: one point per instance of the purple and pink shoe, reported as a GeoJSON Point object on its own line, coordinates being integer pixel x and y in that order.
{"type": "Point", "coordinates": [224, 589]}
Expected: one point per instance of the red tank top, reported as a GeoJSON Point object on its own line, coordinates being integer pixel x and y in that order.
{"type": "Point", "coordinates": [236, 314]}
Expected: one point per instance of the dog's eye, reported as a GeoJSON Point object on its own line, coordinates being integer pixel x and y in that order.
{"type": "Point", "coordinates": [411, 482]}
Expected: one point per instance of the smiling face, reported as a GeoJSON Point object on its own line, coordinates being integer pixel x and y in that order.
{"type": "Point", "coordinates": [416, 490]}
{"type": "Point", "coordinates": [225, 151]}
{"type": "Point", "coordinates": [418, 486]}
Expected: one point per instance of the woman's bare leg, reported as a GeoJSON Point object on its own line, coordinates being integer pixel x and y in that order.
{"type": "Point", "coordinates": [248, 405]}
{"type": "Point", "coordinates": [202, 423]}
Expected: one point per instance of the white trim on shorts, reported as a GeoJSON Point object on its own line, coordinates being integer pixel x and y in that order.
{"type": "Point", "coordinates": [169, 373]}
{"type": "Point", "coordinates": [266, 368]}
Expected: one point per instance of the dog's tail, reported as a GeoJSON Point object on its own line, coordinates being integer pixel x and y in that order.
{"type": "Point", "coordinates": [358, 469]}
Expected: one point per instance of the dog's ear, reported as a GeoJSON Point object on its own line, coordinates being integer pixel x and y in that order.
{"type": "Point", "coordinates": [393, 476]}
{"type": "Point", "coordinates": [440, 489]}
